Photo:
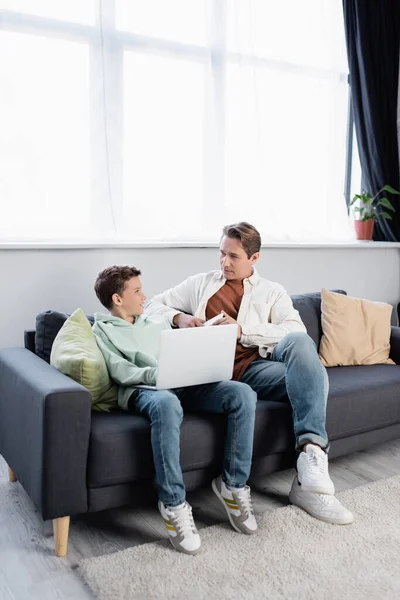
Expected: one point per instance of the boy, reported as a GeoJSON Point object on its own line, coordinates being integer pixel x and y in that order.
{"type": "Point", "coordinates": [129, 341]}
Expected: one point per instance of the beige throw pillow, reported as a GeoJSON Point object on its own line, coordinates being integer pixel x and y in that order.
{"type": "Point", "coordinates": [355, 331]}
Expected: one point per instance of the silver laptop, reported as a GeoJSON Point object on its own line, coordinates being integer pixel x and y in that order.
{"type": "Point", "coordinates": [194, 356]}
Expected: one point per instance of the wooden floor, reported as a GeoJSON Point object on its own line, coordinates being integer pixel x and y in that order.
{"type": "Point", "coordinates": [29, 569]}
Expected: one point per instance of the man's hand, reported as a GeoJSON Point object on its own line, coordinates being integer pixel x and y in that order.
{"type": "Point", "coordinates": [182, 321]}
{"type": "Point", "coordinates": [227, 320]}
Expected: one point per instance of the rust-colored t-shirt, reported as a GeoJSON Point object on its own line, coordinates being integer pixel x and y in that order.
{"type": "Point", "coordinates": [228, 299]}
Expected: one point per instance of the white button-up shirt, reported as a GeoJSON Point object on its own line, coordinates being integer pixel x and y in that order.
{"type": "Point", "coordinates": [266, 312]}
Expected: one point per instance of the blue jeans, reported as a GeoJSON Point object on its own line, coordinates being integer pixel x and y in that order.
{"type": "Point", "coordinates": [164, 408]}
{"type": "Point", "coordinates": [295, 373]}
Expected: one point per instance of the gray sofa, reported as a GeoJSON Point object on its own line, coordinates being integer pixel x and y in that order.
{"type": "Point", "coordinates": [71, 460]}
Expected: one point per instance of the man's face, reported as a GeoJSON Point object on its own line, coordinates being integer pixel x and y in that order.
{"type": "Point", "coordinates": [233, 259]}
{"type": "Point", "coordinates": [132, 299]}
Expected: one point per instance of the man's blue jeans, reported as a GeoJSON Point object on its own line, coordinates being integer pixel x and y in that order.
{"type": "Point", "coordinates": [295, 373]}
{"type": "Point", "coordinates": [165, 408]}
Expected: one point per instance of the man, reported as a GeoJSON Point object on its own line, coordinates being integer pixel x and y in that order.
{"type": "Point", "coordinates": [130, 342]}
{"type": "Point", "coordinates": [274, 355]}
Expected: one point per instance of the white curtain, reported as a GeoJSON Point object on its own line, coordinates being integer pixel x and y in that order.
{"type": "Point", "coordinates": [163, 120]}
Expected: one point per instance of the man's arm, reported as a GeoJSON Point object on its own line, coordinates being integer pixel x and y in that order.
{"type": "Point", "coordinates": [122, 371]}
{"type": "Point", "coordinates": [284, 319]}
{"type": "Point", "coordinates": [177, 304]}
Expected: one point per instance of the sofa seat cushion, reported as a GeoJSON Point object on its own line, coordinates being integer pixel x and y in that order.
{"type": "Point", "coordinates": [362, 398]}
{"type": "Point", "coordinates": [120, 448]}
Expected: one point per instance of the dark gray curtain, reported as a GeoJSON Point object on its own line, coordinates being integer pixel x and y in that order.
{"type": "Point", "coordinates": [373, 44]}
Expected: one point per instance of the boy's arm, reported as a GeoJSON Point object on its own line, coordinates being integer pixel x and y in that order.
{"type": "Point", "coordinates": [122, 371]}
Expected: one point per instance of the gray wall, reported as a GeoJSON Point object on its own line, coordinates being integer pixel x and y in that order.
{"type": "Point", "coordinates": [37, 280]}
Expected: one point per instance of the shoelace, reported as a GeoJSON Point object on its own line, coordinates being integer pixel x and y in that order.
{"type": "Point", "coordinates": [244, 499]}
{"type": "Point", "coordinates": [317, 463]}
{"type": "Point", "coordinates": [182, 520]}
{"type": "Point", "coordinates": [326, 499]}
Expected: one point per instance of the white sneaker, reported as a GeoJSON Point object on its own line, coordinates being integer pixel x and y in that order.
{"type": "Point", "coordinates": [182, 531]}
{"type": "Point", "coordinates": [312, 471]}
{"type": "Point", "coordinates": [321, 506]}
{"type": "Point", "coordinates": [237, 505]}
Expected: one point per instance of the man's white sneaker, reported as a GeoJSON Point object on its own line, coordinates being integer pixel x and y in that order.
{"type": "Point", "coordinates": [237, 505]}
{"type": "Point", "coordinates": [312, 471]}
{"type": "Point", "coordinates": [321, 506]}
{"type": "Point", "coordinates": [182, 531]}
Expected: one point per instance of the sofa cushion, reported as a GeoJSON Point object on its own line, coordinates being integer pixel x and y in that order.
{"type": "Point", "coordinates": [48, 324]}
{"type": "Point", "coordinates": [75, 353]}
{"type": "Point", "coordinates": [309, 307]}
{"type": "Point", "coordinates": [361, 399]}
{"type": "Point", "coordinates": [355, 331]}
{"type": "Point", "coordinates": [120, 448]}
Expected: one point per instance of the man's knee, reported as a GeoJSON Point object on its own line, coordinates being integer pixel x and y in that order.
{"type": "Point", "coordinates": [299, 341]}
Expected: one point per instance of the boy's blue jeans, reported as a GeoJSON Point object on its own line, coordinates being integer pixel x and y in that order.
{"type": "Point", "coordinates": [165, 408]}
{"type": "Point", "coordinates": [295, 372]}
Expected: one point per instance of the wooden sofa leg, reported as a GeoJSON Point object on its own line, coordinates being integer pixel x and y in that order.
{"type": "Point", "coordinates": [61, 530]}
{"type": "Point", "coordinates": [11, 475]}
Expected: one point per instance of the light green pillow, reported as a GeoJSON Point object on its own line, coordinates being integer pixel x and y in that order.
{"type": "Point", "coordinates": [76, 354]}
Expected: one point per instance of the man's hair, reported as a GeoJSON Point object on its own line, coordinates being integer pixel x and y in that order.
{"type": "Point", "coordinates": [248, 236]}
{"type": "Point", "coordinates": [112, 281]}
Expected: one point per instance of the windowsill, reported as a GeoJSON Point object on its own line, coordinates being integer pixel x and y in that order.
{"type": "Point", "coordinates": [156, 245]}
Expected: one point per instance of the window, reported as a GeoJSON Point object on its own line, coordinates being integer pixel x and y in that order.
{"type": "Point", "coordinates": [163, 141]}
{"type": "Point", "coordinates": [164, 120]}
{"type": "Point", "coordinates": [45, 149]}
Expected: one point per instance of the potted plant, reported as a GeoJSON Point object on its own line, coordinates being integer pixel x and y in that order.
{"type": "Point", "coordinates": [368, 209]}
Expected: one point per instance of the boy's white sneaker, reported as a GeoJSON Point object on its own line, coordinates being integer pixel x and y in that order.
{"type": "Point", "coordinates": [312, 471]}
{"type": "Point", "coordinates": [238, 506]}
{"type": "Point", "coordinates": [182, 531]}
{"type": "Point", "coordinates": [321, 506]}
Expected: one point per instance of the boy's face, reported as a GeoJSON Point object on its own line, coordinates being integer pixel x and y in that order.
{"type": "Point", "coordinates": [132, 299]}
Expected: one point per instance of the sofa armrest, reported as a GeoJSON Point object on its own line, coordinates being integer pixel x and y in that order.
{"type": "Point", "coordinates": [45, 421]}
{"type": "Point", "coordinates": [395, 345]}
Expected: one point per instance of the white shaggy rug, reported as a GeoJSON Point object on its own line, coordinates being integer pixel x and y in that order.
{"type": "Point", "coordinates": [292, 556]}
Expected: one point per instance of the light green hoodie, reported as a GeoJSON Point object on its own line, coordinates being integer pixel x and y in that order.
{"type": "Point", "coordinates": [130, 350]}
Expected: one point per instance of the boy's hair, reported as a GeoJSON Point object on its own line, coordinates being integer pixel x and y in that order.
{"type": "Point", "coordinates": [112, 281]}
{"type": "Point", "coordinates": [247, 234]}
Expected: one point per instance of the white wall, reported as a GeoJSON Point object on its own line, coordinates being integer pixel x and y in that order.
{"type": "Point", "coordinates": [36, 280]}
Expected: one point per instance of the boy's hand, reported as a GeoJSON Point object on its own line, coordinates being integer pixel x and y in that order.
{"type": "Point", "coordinates": [227, 320]}
{"type": "Point", "coordinates": [182, 321]}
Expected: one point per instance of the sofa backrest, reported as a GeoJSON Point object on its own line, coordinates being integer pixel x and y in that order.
{"type": "Point", "coordinates": [309, 307]}
{"type": "Point", "coordinates": [49, 323]}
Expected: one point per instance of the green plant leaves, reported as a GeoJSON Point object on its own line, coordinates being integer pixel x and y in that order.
{"type": "Point", "coordinates": [371, 207]}
{"type": "Point", "coordinates": [387, 204]}
{"type": "Point", "coordinates": [389, 188]}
